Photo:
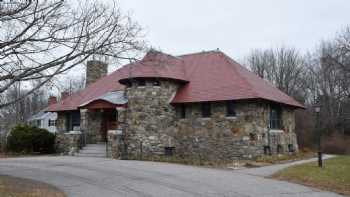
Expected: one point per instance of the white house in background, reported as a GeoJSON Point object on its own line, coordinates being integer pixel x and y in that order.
{"type": "Point", "coordinates": [44, 120]}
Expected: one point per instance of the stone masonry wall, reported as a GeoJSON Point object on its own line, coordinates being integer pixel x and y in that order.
{"type": "Point", "coordinates": [153, 124]}
{"type": "Point", "coordinates": [149, 114]}
{"type": "Point", "coordinates": [227, 138]}
{"type": "Point", "coordinates": [221, 137]}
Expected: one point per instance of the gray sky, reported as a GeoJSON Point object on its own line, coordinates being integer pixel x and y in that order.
{"type": "Point", "coordinates": [237, 26]}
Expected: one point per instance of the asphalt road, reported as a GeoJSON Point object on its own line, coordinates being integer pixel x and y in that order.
{"type": "Point", "coordinates": [96, 177]}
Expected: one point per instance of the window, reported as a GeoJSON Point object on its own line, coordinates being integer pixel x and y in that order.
{"type": "Point", "coordinates": [155, 83]}
{"type": "Point", "coordinates": [169, 151]}
{"type": "Point", "coordinates": [267, 150]}
{"type": "Point", "coordinates": [52, 123]}
{"type": "Point", "coordinates": [72, 120]}
{"type": "Point", "coordinates": [275, 117]}
{"type": "Point", "coordinates": [230, 108]}
{"type": "Point", "coordinates": [38, 123]}
{"type": "Point", "coordinates": [206, 110]}
{"type": "Point", "coordinates": [291, 148]}
{"type": "Point", "coordinates": [128, 84]}
{"type": "Point", "coordinates": [252, 137]}
{"type": "Point", "coordinates": [141, 82]}
{"type": "Point", "coordinates": [182, 111]}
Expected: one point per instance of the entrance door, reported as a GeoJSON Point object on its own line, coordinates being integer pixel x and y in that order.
{"type": "Point", "coordinates": [109, 122]}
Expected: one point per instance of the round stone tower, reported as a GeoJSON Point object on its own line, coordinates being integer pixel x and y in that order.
{"type": "Point", "coordinates": [149, 116]}
{"type": "Point", "coordinates": [150, 87]}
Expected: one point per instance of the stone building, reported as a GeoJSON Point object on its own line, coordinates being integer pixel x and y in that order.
{"type": "Point", "coordinates": [203, 104]}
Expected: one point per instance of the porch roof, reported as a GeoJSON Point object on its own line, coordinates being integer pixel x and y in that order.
{"type": "Point", "coordinates": [115, 98]}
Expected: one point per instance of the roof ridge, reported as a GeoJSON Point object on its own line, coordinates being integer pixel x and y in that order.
{"type": "Point", "coordinates": [199, 52]}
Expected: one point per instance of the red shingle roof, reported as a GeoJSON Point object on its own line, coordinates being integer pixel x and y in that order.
{"type": "Point", "coordinates": [209, 76]}
{"type": "Point", "coordinates": [216, 77]}
{"type": "Point", "coordinates": [156, 65]}
{"type": "Point", "coordinates": [102, 86]}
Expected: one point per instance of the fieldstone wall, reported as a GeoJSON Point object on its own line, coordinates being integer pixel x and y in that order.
{"type": "Point", "coordinates": [228, 138]}
{"type": "Point", "coordinates": [284, 140]}
{"type": "Point", "coordinates": [221, 137]}
{"type": "Point", "coordinates": [149, 114]}
{"type": "Point", "coordinates": [68, 143]}
{"type": "Point", "coordinates": [115, 144]}
{"type": "Point", "coordinates": [153, 125]}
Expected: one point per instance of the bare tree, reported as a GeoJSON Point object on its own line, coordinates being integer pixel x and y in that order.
{"type": "Point", "coordinates": [340, 56]}
{"type": "Point", "coordinates": [41, 39]}
{"type": "Point", "coordinates": [284, 67]}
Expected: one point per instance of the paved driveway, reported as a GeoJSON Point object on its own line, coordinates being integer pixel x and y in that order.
{"type": "Point", "coordinates": [95, 177]}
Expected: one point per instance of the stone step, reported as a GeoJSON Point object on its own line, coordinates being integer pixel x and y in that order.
{"type": "Point", "coordinates": [90, 155]}
{"type": "Point", "coordinates": [93, 150]}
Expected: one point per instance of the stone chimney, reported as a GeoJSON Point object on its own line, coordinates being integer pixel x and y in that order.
{"type": "Point", "coordinates": [52, 100]}
{"type": "Point", "coordinates": [94, 70]}
{"type": "Point", "coordinates": [64, 95]}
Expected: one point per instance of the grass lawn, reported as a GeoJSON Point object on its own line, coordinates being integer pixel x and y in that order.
{"type": "Point", "coordinates": [15, 187]}
{"type": "Point", "coordinates": [334, 176]}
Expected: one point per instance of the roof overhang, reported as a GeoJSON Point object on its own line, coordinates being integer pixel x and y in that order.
{"type": "Point", "coordinates": [124, 81]}
{"type": "Point", "coordinates": [106, 101]}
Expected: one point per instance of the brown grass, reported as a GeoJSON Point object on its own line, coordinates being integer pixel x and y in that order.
{"type": "Point", "coordinates": [16, 187]}
{"type": "Point", "coordinates": [335, 176]}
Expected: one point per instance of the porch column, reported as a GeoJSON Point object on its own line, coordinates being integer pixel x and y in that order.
{"type": "Point", "coordinates": [116, 139]}
{"type": "Point", "coordinates": [84, 124]}
{"type": "Point", "coordinates": [121, 118]}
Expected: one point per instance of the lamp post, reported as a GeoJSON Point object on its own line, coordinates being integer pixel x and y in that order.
{"type": "Point", "coordinates": [318, 133]}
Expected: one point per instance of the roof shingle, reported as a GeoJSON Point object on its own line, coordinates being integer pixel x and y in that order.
{"type": "Point", "coordinates": [208, 76]}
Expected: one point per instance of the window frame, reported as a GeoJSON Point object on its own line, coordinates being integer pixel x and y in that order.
{"type": "Point", "coordinates": [52, 123]}
{"type": "Point", "coordinates": [206, 110]}
{"type": "Point", "coordinates": [276, 117]}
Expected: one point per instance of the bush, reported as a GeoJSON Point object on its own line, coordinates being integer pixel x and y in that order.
{"type": "Point", "coordinates": [336, 144]}
{"type": "Point", "coordinates": [27, 139]}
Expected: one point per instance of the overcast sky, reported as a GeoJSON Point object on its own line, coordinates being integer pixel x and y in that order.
{"type": "Point", "coordinates": [237, 26]}
{"type": "Point", "coordinates": [234, 26]}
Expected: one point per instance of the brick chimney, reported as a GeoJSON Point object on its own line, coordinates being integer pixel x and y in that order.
{"type": "Point", "coordinates": [52, 100]}
{"type": "Point", "coordinates": [94, 70]}
{"type": "Point", "coordinates": [64, 95]}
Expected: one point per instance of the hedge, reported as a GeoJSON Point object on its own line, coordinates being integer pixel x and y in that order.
{"type": "Point", "coordinates": [27, 139]}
